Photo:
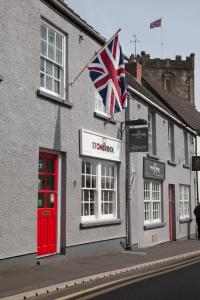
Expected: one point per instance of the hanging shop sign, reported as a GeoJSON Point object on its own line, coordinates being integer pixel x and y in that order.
{"type": "Point", "coordinates": [195, 163]}
{"type": "Point", "coordinates": [138, 139]}
{"type": "Point", "coordinates": [96, 145]}
{"type": "Point", "coordinates": [153, 169]}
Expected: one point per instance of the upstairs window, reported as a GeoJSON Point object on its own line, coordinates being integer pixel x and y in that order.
{"type": "Point", "coordinates": [52, 60]}
{"type": "Point", "coordinates": [99, 106]}
{"type": "Point", "coordinates": [171, 142]}
{"type": "Point", "coordinates": [186, 153]}
{"type": "Point", "coordinates": [152, 133]}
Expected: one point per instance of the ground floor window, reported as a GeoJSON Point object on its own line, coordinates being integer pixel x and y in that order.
{"type": "Point", "coordinates": [99, 190]}
{"type": "Point", "coordinates": [152, 202]}
{"type": "Point", "coordinates": [184, 201]}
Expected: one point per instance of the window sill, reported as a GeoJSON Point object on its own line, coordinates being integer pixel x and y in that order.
{"type": "Point", "coordinates": [186, 166]}
{"type": "Point", "coordinates": [153, 156]}
{"type": "Point", "coordinates": [154, 226]}
{"type": "Point", "coordinates": [187, 220]}
{"type": "Point", "coordinates": [93, 224]}
{"type": "Point", "coordinates": [54, 99]}
{"type": "Point", "coordinates": [172, 163]}
{"type": "Point", "coordinates": [105, 118]}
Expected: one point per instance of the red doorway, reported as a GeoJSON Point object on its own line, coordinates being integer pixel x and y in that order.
{"type": "Point", "coordinates": [172, 213]}
{"type": "Point", "coordinates": [47, 204]}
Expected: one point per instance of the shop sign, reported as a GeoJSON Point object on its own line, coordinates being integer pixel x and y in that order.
{"type": "Point", "coordinates": [154, 169]}
{"type": "Point", "coordinates": [96, 145]}
{"type": "Point", "coordinates": [138, 139]}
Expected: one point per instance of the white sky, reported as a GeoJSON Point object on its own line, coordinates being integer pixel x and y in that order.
{"type": "Point", "coordinates": [180, 26]}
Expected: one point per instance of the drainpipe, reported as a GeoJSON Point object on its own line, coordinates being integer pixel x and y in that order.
{"type": "Point", "coordinates": [128, 183]}
{"type": "Point", "coordinates": [197, 183]}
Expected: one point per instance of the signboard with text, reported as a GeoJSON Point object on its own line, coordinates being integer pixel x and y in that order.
{"type": "Point", "coordinates": [138, 139]}
{"type": "Point", "coordinates": [153, 169]}
{"type": "Point", "coordinates": [96, 145]}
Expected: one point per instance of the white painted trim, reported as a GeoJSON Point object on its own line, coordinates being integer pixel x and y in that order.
{"type": "Point", "coordinates": [58, 243]}
{"type": "Point", "coordinates": [101, 135]}
{"type": "Point", "coordinates": [161, 109]}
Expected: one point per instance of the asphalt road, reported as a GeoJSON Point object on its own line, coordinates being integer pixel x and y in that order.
{"type": "Point", "coordinates": [181, 284]}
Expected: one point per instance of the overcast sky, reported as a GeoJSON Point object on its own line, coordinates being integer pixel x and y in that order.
{"type": "Point", "coordinates": [180, 26]}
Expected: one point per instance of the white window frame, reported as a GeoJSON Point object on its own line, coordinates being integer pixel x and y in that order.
{"type": "Point", "coordinates": [184, 201]}
{"type": "Point", "coordinates": [171, 141]}
{"type": "Point", "coordinates": [152, 198]}
{"type": "Point", "coordinates": [99, 106]}
{"type": "Point", "coordinates": [62, 67]}
{"type": "Point", "coordinates": [152, 133]}
{"type": "Point", "coordinates": [186, 148]}
{"type": "Point", "coordinates": [98, 215]}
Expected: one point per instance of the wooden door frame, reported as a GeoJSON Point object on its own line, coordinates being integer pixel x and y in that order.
{"type": "Point", "coordinates": [172, 212]}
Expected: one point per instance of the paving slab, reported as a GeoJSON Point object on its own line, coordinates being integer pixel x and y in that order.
{"type": "Point", "coordinates": [21, 279]}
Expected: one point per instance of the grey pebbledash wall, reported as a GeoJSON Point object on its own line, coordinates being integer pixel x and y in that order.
{"type": "Point", "coordinates": [29, 122]}
{"type": "Point", "coordinates": [174, 174]}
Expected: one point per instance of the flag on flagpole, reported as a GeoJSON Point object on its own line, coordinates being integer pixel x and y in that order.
{"type": "Point", "coordinates": [156, 23]}
{"type": "Point", "coordinates": [107, 72]}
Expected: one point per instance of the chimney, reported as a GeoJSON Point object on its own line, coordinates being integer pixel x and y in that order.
{"type": "Point", "coordinates": [135, 69]}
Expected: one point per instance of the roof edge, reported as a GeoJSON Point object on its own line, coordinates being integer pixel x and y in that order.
{"type": "Point", "coordinates": [185, 125]}
{"type": "Point", "coordinates": [61, 6]}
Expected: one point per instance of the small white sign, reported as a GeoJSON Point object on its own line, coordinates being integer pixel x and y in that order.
{"type": "Point", "coordinates": [96, 145]}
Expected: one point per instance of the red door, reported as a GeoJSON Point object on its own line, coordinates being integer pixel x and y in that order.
{"type": "Point", "coordinates": [172, 213]}
{"type": "Point", "coordinates": [47, 204]}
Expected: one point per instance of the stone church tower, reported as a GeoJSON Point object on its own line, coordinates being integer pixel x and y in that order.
{"type": "Point", "coordinates": [176, 76]}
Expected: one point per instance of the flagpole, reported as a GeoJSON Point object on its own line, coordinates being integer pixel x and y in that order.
{"type": "Point", "coordinates": [73, 81]}
{"type": "Point", "coordinates": [161, 36]}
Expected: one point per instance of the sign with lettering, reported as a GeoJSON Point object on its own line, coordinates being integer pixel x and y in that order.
{"type": "Point", "coordinates": [100, 146]}
{"type": "Point", "coordinates": [153, 169]}
{"type": "Point", "coordinates": [138, 139]}
{"type": "Point", "coordinates": [195, 163]}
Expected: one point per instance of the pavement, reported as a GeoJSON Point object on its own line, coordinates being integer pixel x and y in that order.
{"type": "Point", "coordinates": [24, 281]}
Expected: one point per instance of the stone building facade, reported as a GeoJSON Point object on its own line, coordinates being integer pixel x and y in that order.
{"type": "Point", "coordinates": [176, 76]}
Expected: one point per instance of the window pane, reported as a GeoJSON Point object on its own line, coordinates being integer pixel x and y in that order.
{"type": "Point", "coordinates": [49, 68]}
{"type": "Point", "coordinates": [43, 48]}
{"type": "Point", "coordinates": [49, 83]}
{"type": "Point", "coordinates": [59, 56]}
{"type": "Point", "coordinates": [92, 209]}
{"type": "Point", "coordinates": [50, 182]}
{"type": "Point", "coordinates": [110, 208]}
{"type": "Point", "coordinates": [42, 80]}
{"type": "Point", "coordinates": [41, 183]}
{"type": "Point", "coordinates": [103, 182]}
{"type": "Point", "coordinates": [59, 41]}
{"type": "Point", "coordinates": [93, 182]}
{"type": "Point", "coordinates": [50, 200]}
{"type": "Point", "coordinates": [51, 166]}
{"type": "Point", "coordinates": [83, 181]}
{"type": "Point", "coordinates": [41, 165]}
{"type": "Point", "coordinates": [51, 36]}
{"type": "Point", "coordinates": [88, 181]}
{"type": "Point", "coordinates": [86, 209]}
{"type": "Point", "coordinates": [43, 31]}
{"type": "Point", "coordinates": [51, 52]}
{"type": "Point", "coordinates": [40, 200]}
{"type": "Point", "coordinates": [56, 87]}
{"type": "Point", "coordinates": [42, 62]}
{"type": "Point", "coordinates": [87, 168]}
{"type": "Point", "coordinates": [57, 72]}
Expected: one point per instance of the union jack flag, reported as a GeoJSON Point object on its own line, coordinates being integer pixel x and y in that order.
{"type": "Point", "coordinates": [107, 72]}
{"type": "Point", "coordinates": [156, 23]}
